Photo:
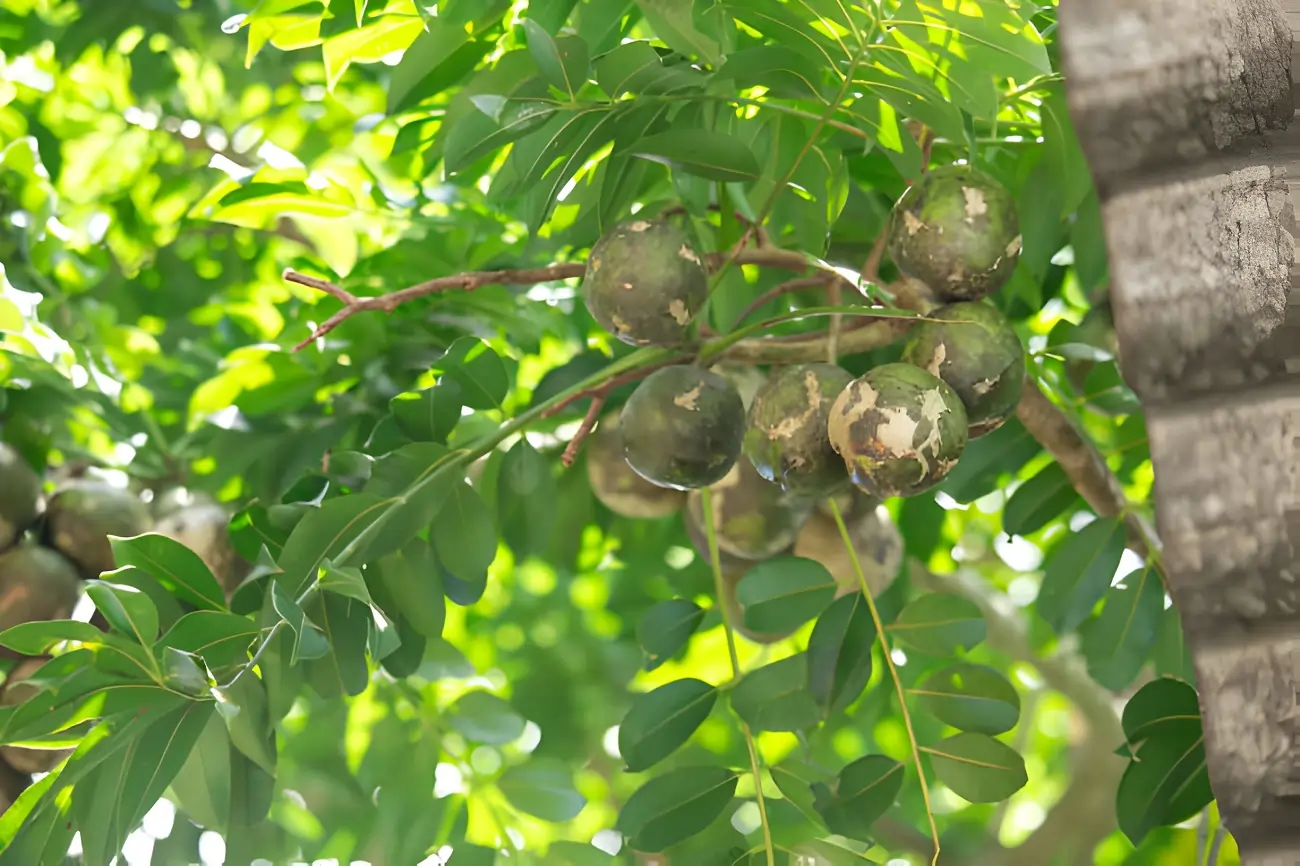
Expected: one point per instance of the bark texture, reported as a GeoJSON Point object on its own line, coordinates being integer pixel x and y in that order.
{"type": "Point", "coordinates": [1183, 108]}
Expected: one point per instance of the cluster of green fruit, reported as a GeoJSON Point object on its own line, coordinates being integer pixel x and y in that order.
{"type": "Point", "coordinates": [50, 544]}
{"type": "Point", "coordinates": [773, 447]}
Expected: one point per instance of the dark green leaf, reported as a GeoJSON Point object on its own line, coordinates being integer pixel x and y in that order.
{"type": "Point", "coordinates": [839, 653]}
{"type": "Point", "coordinates": [323, 534]}
{"type": "Point", "coordinates": [1157, 704]}
{"type": "Point", "coordinates": [977, 767]}
{"type": "Point", "coordinates": [1118, 643]}
{"type": "Point", "coordinates": [971, 698]}
{"type": "Point", "coordinates": [776, 697]}
{"type": "Point", "coordinates": [988, 459]}
{"type": "Point", "coordinates": [1039, 501]}
{"type": "Point", "coordinates": [423, 69]}
{"type": "Point", "coordinates": [661, 721]}
{"type": "Point", "coordinates": [482, 717]}
{"type": "Point", "coordinates": [308, 641]}
{"type": "Point", "coordinates": [345, 581]}
{"type": "Point", "coordinates": [863, 792]}
{"type": "Point", "coordinates": [711, 155]}
{"type": "Point", "coordinates": [429, 415]}
{"type": "Point", "coordinates": [543, 789]}
{"type": "Point", "coordinates": [203, 783]}
{"type": "Point", "coordinates": [784, 72]}
{"type": "Point", "coordinates": [173, 565]}
{"type": "Point", "coordinates": [939, 624]}
{"type": "Point", "coordinates": [1078, 572]}
{"type": "Point", "coordinates": [780, 594]}
{"type": "Point", "coordinates": [464, 534]}
{"type": "Point", "coordinates": [673, 21]}
{"type": "Point", "coordinates": [346, 624]}
{"type": "Point", "coordinates": [243, 706]}
{"type": "Point", "coordinates": [37, 638]}
{"type": "Point", "coordinates": [665, 628]}
{"type": "Point", "coordinates": [220, 639]}
{"type": "Point", "coordinates": [413, 581]}
{"type": "Point", "coordinates": [478, 370]}
{"type": "Point", "coordinates": [1167, 782]}
{"type": "Point", "coordinates": [675, 806]}
{"type": "Point", "coordinates": [563, 61]}
{"type": "Point", "coordinates": [526, 496]}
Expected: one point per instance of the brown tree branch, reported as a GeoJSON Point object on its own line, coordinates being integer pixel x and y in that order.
{"type": "Point", "coordinates": [788, 287]}
{"type": "Point", "coordinates": [584, 430]}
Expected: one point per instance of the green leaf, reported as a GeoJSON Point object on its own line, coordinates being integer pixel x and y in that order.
{"type": "Point", "coordinates": [482, 717]}
{"type": "Point", "coordinates": [464, 534]}
{"type": "Point", "coordinates": [127, 609]}
{"type": "Point", "coordinates": [784, 72]}
{"type": "Point", "coordinates": [414, 582]}
{"type": "Point", "coordinates": [479, 134]}
{"type": "Point", "coordinates": [576, 853]}
{"type": "Point", "coordinates": [1157, 704]}
{"type": "Point", "coordinates": [663, 629]}
{"type": "Point", "coordinates": [543, 789]}
{"type": "Point", "coordinates": [1167, 782]}
{"type": "Point", "coordinates": [429, 415]}
{"type": "Point", "coordinates": [839, 653]}
{"type": "Point", "coordinates": [323, 534]}
{"type": "Point", "coordinates": [776, 697]}
{"type": "Point", "coordinates": [971, 698]}
{"type": "Point", "coordinates": [179, 569]}
{"type": "Point", "coordinates": [37, 638]}
{"type": "Point", "coordinates": [1171, 655]}
{"type": "Point", "coordinates": [308, 641]}
{"type": "Point", "coordinates": [1039, 501]}
{"type": "Point", "coordinates": [675, 806]}
{"type": "Point", "coordinates": [564, 61]}
{"type": "Point", "coordinates": [202, 785]}
{"type": "Point", "coordinates": [864, 791]}
{"type": "Point", "coordinates": [977, 767]}
{"type": "Point", "coordinates": [168, 608]}
{"type": "Point", "coordinates": [430, 64]}
{"type": "Point", "coordinates": [988, 459]}
{"type": "Point", "coordinates": [939, 624]}
{"type": "Point", "coordinates": [1078, 572]}
{"type": "Point", "coordinates": [780, 594]}
{"type": "Point", "coordinates": [673, 21]}
{"type": "Point", "coordinates": [661, 721]}
{"type": "Point", "coordinates": [635, 67]}
{"type": "Point", "coordinates": [526, 495]}
{"type": "Point", "coordinates": [346, 624]}
{"type": "Point", "coordinates": [711, 155]}
{"type": "Point", "coordinates": [183, 673]}
{"type": "Point", "coordinates": [796, 779]}
{"type": "Point", "coordinates": [218, 638]}
{"type": "Point", "coordinates": [1118, 643]}
{"type": "Point", "coordinates": [478, 371]}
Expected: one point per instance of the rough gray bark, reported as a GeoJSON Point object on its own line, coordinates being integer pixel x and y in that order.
{"type": "Point", "coordinates": [1182, 108]}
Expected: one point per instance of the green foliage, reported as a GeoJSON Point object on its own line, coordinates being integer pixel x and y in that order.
{"type": "Point", "coordinates": [438, 625]}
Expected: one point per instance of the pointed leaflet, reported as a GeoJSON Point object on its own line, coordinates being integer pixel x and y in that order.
{"type": "Point", "coordinates": [1118, 642]}
{"type": "Point", "coordinates": [172, 564]}
{"type": "Point", "coordinates": [1039, 501]}
{"type": "Point", "coordinates": [36, 638]}
{"type": "Point", "coordinates": [478, 370]}
{"type": "Point", "coordinates": [308, 641]}
{"type": "Point", "coordinates": [839, 653]}
{"type": "Point", "coordinates": [970, 698]}
{"type": "Point", "coordinates": [1167, 782]}
{"type": "Point", "coordinates": [526, 496]}
{"type": "Point", "coordinates": [243, 707]}
{"type": "Point", "coordinates": [127, 609]}
{"type": "Point", "coordinates": [425, 66]}
{"type": "Point", "coordinates": [780, 594]}
{"type": "Point", "coordinates": [323, 533]}
{"type": "Point", "coordinates": [675, 806]}
{"type": "Point", "coordinates": [1078, 572]}
{"type": "Point", "coordinates": [346, 625]}
{"type": "Point", "coordinates": [412, 587]}
{"type": "Point", "coordinates": [939, 624]}
{"type": "Point", "coordinates": [464, 533]}
{"type": "Point", "coordinates": [700, 152]}
{"type": "Point", "coordinates": [131, 578]}
{"type": "Point", "coordinates": [543, 789]}
{"type": "Point", "coordinates": [219, 639]}
{"type": "Point", "coordinates": [665, 628]}
{"type": "Point", "coordinates": [660, 721]}
{"type": "Point", "coordinates": [775, 697]}
{"type": "Point", "coordinates": [203, 784]}
{"type": "Point", "coordinates": [864, 791]}
{"type": "Point", "coordinates": [564, 61]}
{"type": "Point", "coordinates": [977, 767]}
{"type": "Point", "coordinates": [674, 22]}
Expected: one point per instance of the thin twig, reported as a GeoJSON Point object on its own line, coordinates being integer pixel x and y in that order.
{"type": "Point", "coordinates": [589, 421]}
{"type": "Point", "coordinates": [604, 389]}
{"type": "Point", "coordinates": [789, 286]}
{"type": "Point", "coordinates": [761, 237]}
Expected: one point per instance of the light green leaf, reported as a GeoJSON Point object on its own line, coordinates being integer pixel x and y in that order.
{"type": "Point", "coordinates": [977, 767]}
{"type": "Point", "coordinates": [218, 638]}
{"type": "Point", "coordinates": [37, 638]}
{"type": "Point", "coordinates": [482, 717]}
{"type": "Point", "coordinates": [675, 806]}
{"type": "Point", "coordinates": [775, 697]}
{"type": "Point", "coordinates": [711, 155]}
{"type": "Point", "coordinates": [1078, 572]}
{"type": "Point", "coordinates": [368, 44]}
{"type": "Point", "coordinates": [939, 624]}
{"type": "Point", "coordinates": [780, 594]}
{"type": "Point", "coordinates": [970, 697]}
{"type": "Point", "coordinates": [673, 21]}
{"type": "Point", "coordinates": [172, 564]}
{"type": "Point", "coordinates": [543, 789]}
{"type": "Point", "coordinates": [127, 609]}
{"type": "Point", "coordinates": [564, 61]}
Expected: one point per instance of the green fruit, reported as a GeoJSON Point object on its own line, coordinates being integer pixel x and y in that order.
{"type": "Point", "coordinates": [876, 541]}
{"type": "Point", "coordinates": [682, 427]}
{"type": "Point", "coordinates": [20, 496]}
{"type": "Point", "coordinates": [83, 514]}
{"type": "Point", "coordinates": [753, 518]}
{"type": "Point", "coordinates": [786, 439]}
{"type": "Point", "coordinates": [747, 378]}
{"type": "Point", "coordinates": [975, 350]}
{"type": "Point", "coordinates": [644, 283]}
{"type": "Point", "coordinates": [614, 483]}
{"type": "Point", "coordinates": [16, 692]}
{"type": "Point", "coordinates": [205, 529]}
{"type": "Point", "coordinates": [899, 429]}
{"type": "Point", "coordinates": [956, 230]}
{"type": "Point", "coordinates": [36, 584]}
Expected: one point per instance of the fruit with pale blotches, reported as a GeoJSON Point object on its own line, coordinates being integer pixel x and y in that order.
{"type": "Point", "coordinates": [956, 230]}
{"type": "Point", "coordinates": [877, 544]}
{"type": "Point", "coordinates": [753, 519]}
{"type": "Point", "coordinates": [644, 283]}
{"type": "Point", "coordinates": [899, 429]}
{"type": "Point", "coordinates": [20, 496]}
{"type": "Point", "coordinates": [83, 514]}
{"type": "Point", "coordinates": [617, 486]}
{"type": "Point", "coordinates": [971, 346]}
{"type": "Point", "coordinates": [682, 427]}
{"type": "Point", "coordinates": [787, 440]}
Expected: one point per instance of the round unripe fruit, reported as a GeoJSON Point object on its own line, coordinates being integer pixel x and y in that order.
{"type": "Point", "coordinates": [683, 427]}
{"type": "Point", "coordinates": [975, 350]}
{"type": "Point", "coordinates": [83, 514]}
{"type": "Point", "coordinates": [876, 541]}
{"type": "Point", "coordinates": [852, 503]}
{"type": "Point", "coordinates": [16, 692]}
{"type": "Point", "coordinates": [36, 584]}
{"type": "Point", "coordinates": [205, 529]}
{"type": "Point", "coordinates": [644, 283]}
{"type": "Point", "coordinates": [747, 378]}
{"type": "Point", "coordinates": [786, 440]}
{"type": "Point", "coordinates": [753, 518]}
{"type": "Point", "coordinates": [614, 483]}
{"type": "Point", "coordinates": [899, 429]}
{"type": "Point", "coordinates": [956, 230]}
{"type": "Point", "coordinates": [20, 496]}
